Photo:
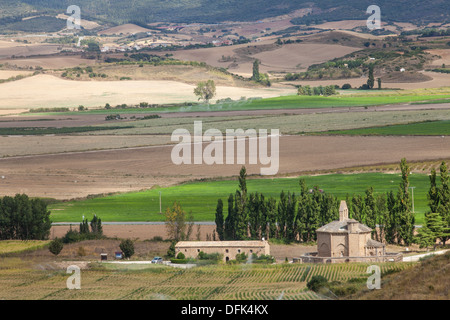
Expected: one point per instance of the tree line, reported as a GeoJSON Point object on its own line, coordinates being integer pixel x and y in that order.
{"type": "Point", "coordinates": [291, 217]}
{"type": "Point", "coordinates": [294, 217]}
{"type": "Point", "coordinates": [22, 218]}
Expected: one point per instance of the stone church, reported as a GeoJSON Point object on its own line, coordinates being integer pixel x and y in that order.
{"type": "Point", "coordinates": [347, 240]}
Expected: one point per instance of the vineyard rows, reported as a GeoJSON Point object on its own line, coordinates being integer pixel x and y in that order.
{"type": "Point", "coordinates": [239, 282]}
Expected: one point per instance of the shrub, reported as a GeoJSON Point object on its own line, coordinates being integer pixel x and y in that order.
{"type": "Point", "coordinates": [56, 246]}
{"type": "Point", "coordinates": [346, 86]}
{"type": "Point", "coordinates": [171, 251]}
{"type": "Point", "coordinates": [316, 283]}
{"type": "Point", "coordinates": [241, 257]}
{"type": "Point", "coordinates": [127, 247]}
{"type": "Point", "coordinates": [71, 236]}
{"type": "Point", "coordinates": [179, 261]}
{"type": "Point", "coordinates": [181, 255]}
{"type": "Point", "coordinates": [210, 256]}
{"type": "Point", "coordinates": [81, 252]}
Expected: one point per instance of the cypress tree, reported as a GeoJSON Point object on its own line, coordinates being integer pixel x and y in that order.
{"type": "Point", "coordinates": [219, 220]}
{"type": "Point", "coordinates": [433, 193]}
{"type": "Point", "coordinates": [405, 216]}
{"type": "Point", "coordinates": [444, 198]}
{"type": "Point", "coordinates": [230, 221]}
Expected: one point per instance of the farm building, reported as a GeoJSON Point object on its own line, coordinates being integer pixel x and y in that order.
{"type": "Point", "coordinates": [347, 240]}
{"type": "Point", "coordinates": [229, 249]}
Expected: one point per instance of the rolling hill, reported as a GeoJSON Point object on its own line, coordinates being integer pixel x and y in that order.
{"type": "Point", "coordinates": [214, 11]}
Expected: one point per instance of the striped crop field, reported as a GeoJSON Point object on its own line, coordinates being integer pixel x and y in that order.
{"type": "Point", "coordinates": [223, 282]}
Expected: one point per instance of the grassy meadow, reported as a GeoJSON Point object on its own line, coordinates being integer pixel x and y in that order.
{"type": "Point", "coordinates": [201, 197]}
{"type": "Point", "coordinates": [17, 246]}
{"type": "Point", "coordinates": [363, 99]}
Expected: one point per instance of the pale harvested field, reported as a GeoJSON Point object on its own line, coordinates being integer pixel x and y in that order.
{"type": "Point", "coordinates": [125, 29]}
{"type": "Point", "coordinates": [59, 62]}
{"type": "Point", "coordinates": [85, 24]}
{"type": "Point", "coordinates": [5, 74]}
{"type": "Point", "coordinates": [180, 73]}
{"type": "Point", "coordinates": [74, 175]}
{"type": "Point", "coordinates": [342, 25]}
{"type": "Point", "coordinates": [33, 92]}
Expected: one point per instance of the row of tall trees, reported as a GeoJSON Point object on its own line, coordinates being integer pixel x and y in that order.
{"type": "Point", "coordinates": [297, 217]}
{"type": "Point", "coordinates": [291, 217]}
{"type": "Point", "coordinates": [437, 219]}
{"type": "Point", "coordinates": [389, 215]}
{"type": "Point", "coordinates": [22, 218]}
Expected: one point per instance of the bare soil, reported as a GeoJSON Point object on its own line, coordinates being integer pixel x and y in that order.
{"type": "Point", "coordinates": [78, 174]}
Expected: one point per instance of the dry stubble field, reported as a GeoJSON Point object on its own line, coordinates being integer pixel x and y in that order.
{"type": "Point", "coordinates": [72, 175]}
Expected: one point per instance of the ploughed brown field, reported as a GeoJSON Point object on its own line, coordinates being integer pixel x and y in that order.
{"type": "Point", "coordinates": [78, 174]}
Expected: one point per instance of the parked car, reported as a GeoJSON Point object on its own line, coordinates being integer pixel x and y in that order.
{"type": "Point", "coordinates": [157, 260]}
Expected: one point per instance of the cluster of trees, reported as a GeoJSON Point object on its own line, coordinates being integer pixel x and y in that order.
{"type": "Point", "coordinates": [292, 217]}
{"type": "Point", "coordinates": [22, 218]}
{"type": "Point", "coordinates": [262, 78]}
{"type": "Point", "coordinates": [87, 231]}
{"type": "Point", "coordinates": [179, 224]}
{"type": "Point", "coordinates": [437, 220]}
{"type": "Point", "coordinates": [428, 32]}
{"type": "Point", "coordinates": [297, 217]}
{"type": "Point", "coordinates": [389, 215]}
{"type": "Point", "coordinates": [316, 91]}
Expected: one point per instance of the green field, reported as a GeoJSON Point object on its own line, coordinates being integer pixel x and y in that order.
{"type": "Point", "coordinates": [201, 197]}
{"type": "Point", "coordinates": [427, 128]}
{"type": "Point", "coordinates": [283, 102]}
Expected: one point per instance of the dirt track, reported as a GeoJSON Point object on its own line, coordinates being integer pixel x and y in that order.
{"type": "Point", "coordinates": [72, 175]}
